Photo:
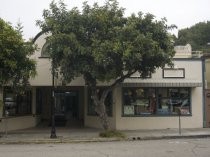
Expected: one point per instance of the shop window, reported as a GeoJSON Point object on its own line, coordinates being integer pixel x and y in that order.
{"type": "Point", "coordinates": [108, 103]}
{"type": "Point", "coordinates": [17, 104]}
{"type": "Point", "coordinates": [156, 101]}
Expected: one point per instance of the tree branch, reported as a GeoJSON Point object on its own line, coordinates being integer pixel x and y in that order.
{"type": "Point", "coordinates": [121, 79]}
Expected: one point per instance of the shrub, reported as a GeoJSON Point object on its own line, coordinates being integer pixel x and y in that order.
{"type": "Point", "coordinates": [112, 133]}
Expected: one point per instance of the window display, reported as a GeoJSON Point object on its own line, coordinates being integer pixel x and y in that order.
{"type": "Point", "coordinates": [156, 101]}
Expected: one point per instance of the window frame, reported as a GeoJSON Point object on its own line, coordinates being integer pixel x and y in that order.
{"type": "Point", "coordinates": [20, 105]}
{"type": "Point", "coordinates": [44, 55]}
{"type": "Point", "coordinates": [173, 69]}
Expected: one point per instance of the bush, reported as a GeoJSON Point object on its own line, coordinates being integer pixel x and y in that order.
{"type": "Point", "coordinates": [112, 133]}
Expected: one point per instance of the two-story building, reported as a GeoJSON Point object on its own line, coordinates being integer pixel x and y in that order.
{"type": "Point", "coordinates": [137, 103]}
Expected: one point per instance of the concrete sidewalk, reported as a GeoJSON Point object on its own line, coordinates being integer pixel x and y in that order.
{"type": "Point", "coordinates": [71, 135]}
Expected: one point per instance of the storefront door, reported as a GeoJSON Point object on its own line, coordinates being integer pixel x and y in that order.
{"type": "Point", "coordinates": [66, 105]}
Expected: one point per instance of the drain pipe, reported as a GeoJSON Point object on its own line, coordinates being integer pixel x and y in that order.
{"type": "Point", "coordinates": [203, 59]}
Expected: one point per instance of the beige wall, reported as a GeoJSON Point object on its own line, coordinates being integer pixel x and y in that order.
{"type": "Point", "coordinates": [94, 122]}
{"type": "Point", "coordinates": [43, 67]}
{"type": "Point", "coordinates": [43, 77]}
{"type": "Point", "coordinates": [17, 123]}
{"type": "Point", "coordinates": [193, 73]}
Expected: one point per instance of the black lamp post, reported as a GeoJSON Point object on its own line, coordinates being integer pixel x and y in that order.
{"type": "Point", "coordinates": [53, 130]}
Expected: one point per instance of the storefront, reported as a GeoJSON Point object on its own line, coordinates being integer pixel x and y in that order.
{"type": "Point", "coordinates": [155, 102]}
{"type": "Point", "coordinates": [150, 103]}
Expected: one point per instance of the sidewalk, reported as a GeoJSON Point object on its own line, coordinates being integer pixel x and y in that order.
{"type": "Point", "coordinates": [68, 135]}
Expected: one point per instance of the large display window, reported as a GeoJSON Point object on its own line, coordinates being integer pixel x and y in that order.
{"type": "Point", "coordinates": [156, 101]}
{"type": "Point", "coordinates": [17, 104]}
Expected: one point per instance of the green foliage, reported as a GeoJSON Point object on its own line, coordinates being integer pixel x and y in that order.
{"type": "Point", "coordinates": [101, 44]}
{"type": "Point", "coordinates": [197, 36]}
{"type": "Point", "coordinates": [15, 65]}
{"type": "Point", "coordinates": [112, 133]}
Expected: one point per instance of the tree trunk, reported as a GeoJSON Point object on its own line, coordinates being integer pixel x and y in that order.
{"type": "Point", "coordinates": [100, 108]}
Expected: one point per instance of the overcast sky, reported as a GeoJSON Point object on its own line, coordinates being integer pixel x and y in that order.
{"type": "Point", "coordinates": [183, 13]}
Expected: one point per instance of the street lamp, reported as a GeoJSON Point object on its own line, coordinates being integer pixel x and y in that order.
{"type": "Point", "coordinates": [53, 130]}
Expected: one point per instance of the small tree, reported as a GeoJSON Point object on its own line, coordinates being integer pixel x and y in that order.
{"type": "Point", "coordinates": [101, 44]}
{"type": "Point", "coordinates": [15, 66]}
{"type": "Point", "coordinates": [198, 36]}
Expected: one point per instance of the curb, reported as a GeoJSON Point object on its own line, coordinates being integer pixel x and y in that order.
{"type": "Point", "coordinates": [169, 137]}
{"type": "Point", "coordinates": [58, 141]}
{"type": "Point", "coordinates": [65, 140]}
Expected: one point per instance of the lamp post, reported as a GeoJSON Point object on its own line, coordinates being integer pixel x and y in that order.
{"type": "Point", "coordinates": [53, 130]}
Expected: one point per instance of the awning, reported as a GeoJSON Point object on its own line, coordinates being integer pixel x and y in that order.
{"type": "Point", "coordinates": [161, 83]}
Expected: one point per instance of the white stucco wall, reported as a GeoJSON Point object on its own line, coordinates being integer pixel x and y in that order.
{"type": "Point", "coordinates": [192, 69]}
{"type": "Point", "coordinates": [43, 67]}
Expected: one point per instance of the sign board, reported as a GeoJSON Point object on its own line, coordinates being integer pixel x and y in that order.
{"type": "Point", "coordinates": [128, 110]}
{"type": "Point", "coordinates": [174, 73]}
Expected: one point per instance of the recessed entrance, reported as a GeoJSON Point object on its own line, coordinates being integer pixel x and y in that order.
{"type": "Point", "coordinates": [66, 108]}
{"type": "Point", "coordinates": [69, 106]}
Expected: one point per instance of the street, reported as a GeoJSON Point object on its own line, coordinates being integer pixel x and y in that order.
{"type": "Point", "coordinates": [150, 148]}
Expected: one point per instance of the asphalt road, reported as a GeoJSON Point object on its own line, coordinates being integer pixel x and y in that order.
{"type": "Point", "coordinates": [152, 148]}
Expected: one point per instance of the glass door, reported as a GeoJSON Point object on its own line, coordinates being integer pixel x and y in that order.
{"type": "Point", "coordinates": [66, 104]}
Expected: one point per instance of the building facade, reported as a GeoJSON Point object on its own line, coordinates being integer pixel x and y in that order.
{"type": "Point", "coordinates": [154, 102]}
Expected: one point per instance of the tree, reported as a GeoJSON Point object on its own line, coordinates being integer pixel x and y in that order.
{"type": "Point", "coordinates": [101, 44]}
{"type": "Point", "coordinates": [15, 65]}
{"type": "Point", "coordinates": [198, 36]}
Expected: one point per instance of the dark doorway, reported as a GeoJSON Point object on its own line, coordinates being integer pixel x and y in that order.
{"type": "Point", "coordinates": [66, 107]}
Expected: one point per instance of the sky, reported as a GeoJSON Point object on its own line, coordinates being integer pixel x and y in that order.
{"type": "Point", "coordinates": [182, 13]}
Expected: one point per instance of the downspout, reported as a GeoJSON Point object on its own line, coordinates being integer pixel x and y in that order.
{"type": "Point", "coordinates": [204, 87]}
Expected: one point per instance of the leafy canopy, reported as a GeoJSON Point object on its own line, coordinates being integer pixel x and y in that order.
{"type": "Point", "coordinates": [198, 36]}
{"type": "Point", "coordinates": [101, 44]}
{"type": "Point", "coordinates": [15, 66]}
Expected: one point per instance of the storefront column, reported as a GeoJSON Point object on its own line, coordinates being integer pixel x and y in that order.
{"type": "Point", "coordinates": [85, 103]}
{"type": "Point", "coordinates": [118, 105]}
{"type": "Point", "coordinates": [33, 101]}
